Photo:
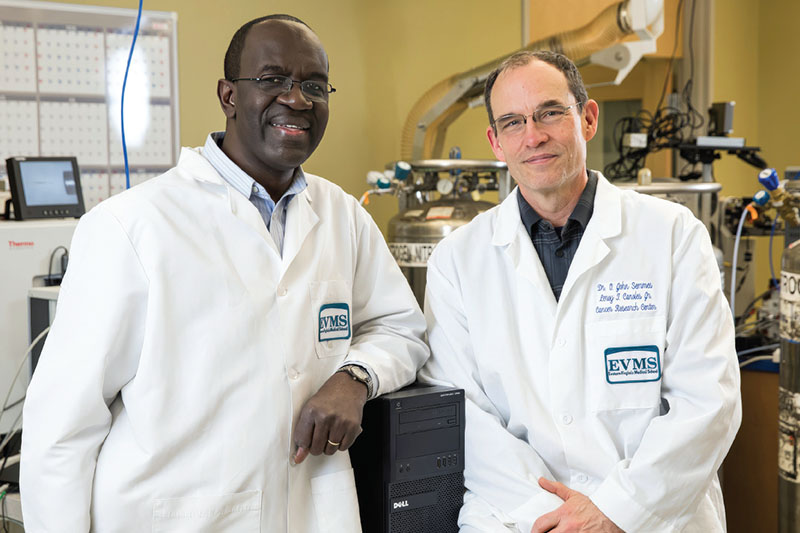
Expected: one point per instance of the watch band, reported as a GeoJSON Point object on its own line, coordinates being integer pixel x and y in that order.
{"type": "Point", "coordinates": [359, 373]}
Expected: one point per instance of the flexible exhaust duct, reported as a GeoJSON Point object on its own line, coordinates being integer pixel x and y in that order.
{"type": "Point", "coordinates": [424, 131]}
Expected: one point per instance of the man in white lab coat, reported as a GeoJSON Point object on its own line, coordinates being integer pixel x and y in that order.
{"type": "Point", "coordinates": [218, 324]}
{"type": "Point", "coordinates": [589, 331]}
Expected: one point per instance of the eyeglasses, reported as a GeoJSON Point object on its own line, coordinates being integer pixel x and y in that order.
{"type": "Point", "coordinates": [514, 124]}
{"type": "Point", "coordinates": [275, 84]}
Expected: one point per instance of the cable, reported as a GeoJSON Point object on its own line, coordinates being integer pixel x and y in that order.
{"type": "Point", "coordinates": [19, 369]}
{"type": "Point", "coordinates": [697, 119]}
{"type": "Point", "coordinates": [50, 263]}
{"type": "Point", "coordinates": [674, 52]}
{"type": "Point", "coordinates": [752, 304]}
{"type": "Point", "coordinates": [773, 280]}
{"type": "Point", "coordinates": [122, 101]}
{"type": "Point", "coordinates": [11, 432]}
{"type": "Point", "coordinates": [750, 326]}
{"type": "Point", "coordinates": [3, 507]}
{"type": "Point", "coordinates": [759, 349]}
{"type": "Point", "coordinates": [755, 359]}
{"type": "Point", "coordinates": [14, 404]}
{"type": "Point", "coordinates": [735, 257]}
{"type": "Point", "coordinates": [666, 128]}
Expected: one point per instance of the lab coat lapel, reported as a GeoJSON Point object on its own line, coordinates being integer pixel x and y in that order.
{"type": "Point", "coordinates": [204, 172]}
{"type": "Point", "coordinates": [301, 219]}
{"type": "Point", "coordinates": [511, 235]}
{"type": "Point", "coordinates": [606, 222]}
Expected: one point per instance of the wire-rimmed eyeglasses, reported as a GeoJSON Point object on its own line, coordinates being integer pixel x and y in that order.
{"type": "Point", "coordinates": [275, 84]}
{"type": "Point", "coordinates": [514, 124]}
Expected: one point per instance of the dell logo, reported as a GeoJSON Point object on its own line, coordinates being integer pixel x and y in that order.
{"type": "Point", "coordinates": [414, 501]}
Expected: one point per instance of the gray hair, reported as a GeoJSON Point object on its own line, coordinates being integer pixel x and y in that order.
{"type": "Point", "coordinates": [520, 59]}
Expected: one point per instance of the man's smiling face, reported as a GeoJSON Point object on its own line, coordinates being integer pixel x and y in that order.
{"type": "Point", "coordinates": [273, 133]}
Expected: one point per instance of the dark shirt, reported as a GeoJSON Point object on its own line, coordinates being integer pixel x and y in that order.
{"type": "Point", "coordinates": [557, 246]}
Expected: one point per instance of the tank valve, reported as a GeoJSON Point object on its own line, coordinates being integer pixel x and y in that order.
{"type": "Point", "coordinates": [769, 179]}
{"type": "Point", "coordinates": [401, 170]}
{"type": "Point", "coordinates": [761, 198]}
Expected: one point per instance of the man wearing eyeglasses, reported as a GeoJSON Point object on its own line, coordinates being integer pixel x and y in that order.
{"type": "Point", "coordinates": [588, 328]}
{"type": "Point", "coordinates": [221, 327]}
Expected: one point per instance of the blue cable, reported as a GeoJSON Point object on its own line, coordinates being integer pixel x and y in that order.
{"type": "Point", "coordinates": [735, 257]}
{"type": "Point", "coordinates": [771, 268]}
{"type": "Point", "coordinates": [122, 103]}
{"type": "Point", "coordinates": [758, 349]}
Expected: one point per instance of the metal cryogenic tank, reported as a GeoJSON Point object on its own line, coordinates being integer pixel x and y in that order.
{"type": "Point", "coordinates": [435, 196]}
{"type": "Point", "coordinates": [789, 393]}
{"type": "Point", "coordinates": [414, 232]}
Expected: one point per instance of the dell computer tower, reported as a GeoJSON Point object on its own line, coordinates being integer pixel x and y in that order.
{"type": "Point", "coordinates": [409, 461]}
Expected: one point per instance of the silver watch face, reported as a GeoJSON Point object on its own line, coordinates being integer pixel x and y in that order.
{"type": "Point", "coordinates": [359, 373]}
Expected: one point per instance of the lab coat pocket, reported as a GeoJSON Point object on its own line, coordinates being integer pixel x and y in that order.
{"type": "Point", "coordinates": [331, 317]}
{"type": "Point", "coordinates": [239, 512]}
{"type": "Point", "coordinates": [336, 502]}
{"type": "Point", "coordinates": [625, 360]}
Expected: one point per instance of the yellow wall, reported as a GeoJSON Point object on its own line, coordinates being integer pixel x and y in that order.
{"type": "Point", "coordinates": [735, 77]}
{"type": "Point", "coordinates": [204, 31]}
{"type": "Point", "coordinates": [414, 44]}
{"type": "Point", "coordinates": [756, 65]}
{"type": "Point", "coordinates": [778, 68]}
{"type": "Point", "coordinates": [384, 55]}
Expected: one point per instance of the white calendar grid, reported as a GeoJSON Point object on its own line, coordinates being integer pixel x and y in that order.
{"type": "Point", "coordinates": [98, 186]}
{"type": "Point", "coordinates": [71, 61]}
{"type": "Point", "coordinates": [75, 128]}
{"type": "Point", "coordinates": [60, 82]}
{"type": "Point", "coordinates": [149, 64]}
{"type": "Point", "coordinates": [19, 129]}
{"type": "Point", "coordinates": [17, 65]}
{"type": "Point", "coordinates": [154, 149]}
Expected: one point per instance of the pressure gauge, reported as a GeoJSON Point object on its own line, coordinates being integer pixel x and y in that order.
{"type": "Point", "coordinates": [444, 186]}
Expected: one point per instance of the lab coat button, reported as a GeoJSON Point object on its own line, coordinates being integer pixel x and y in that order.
{"type": "Point", "coordinates": [293, 374]}
{"type": "Point", "coordinates": [582, 478]}
{"type": "Point", "coordinates": [282, 291]}
{"type": "Point", "coordinates": [561, 341]}
{"type": "Point", "coordinates": [566, 419]}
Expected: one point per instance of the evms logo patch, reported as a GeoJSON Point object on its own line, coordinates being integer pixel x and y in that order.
{"type": "Point", "coordinates": [334, 322]}
{"type": "Point", "coordinates": [633, 364]}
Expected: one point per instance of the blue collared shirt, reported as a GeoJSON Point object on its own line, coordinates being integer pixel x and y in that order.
{"type": "Point", "coordinates": [556, 247]}
{"type": "Point", "coordinates": [274, 215]}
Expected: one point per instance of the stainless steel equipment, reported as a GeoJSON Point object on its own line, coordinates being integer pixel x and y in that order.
{"type": "Point", "coordinates": [436, 196]}
{"type": "Point", "coordinates": [414, 232]}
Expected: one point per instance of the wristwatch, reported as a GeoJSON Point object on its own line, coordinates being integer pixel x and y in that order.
{"type": "Point", "coordinates": [359, 373]}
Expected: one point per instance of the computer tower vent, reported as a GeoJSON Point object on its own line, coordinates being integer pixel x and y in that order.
{"type": "Point", "coordinates": [438, 518]}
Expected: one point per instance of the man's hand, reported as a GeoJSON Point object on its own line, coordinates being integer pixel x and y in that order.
{"type": "Point", "coordinates": [577, 514]}
{"type": "Point", "coordinates": [332, 415]}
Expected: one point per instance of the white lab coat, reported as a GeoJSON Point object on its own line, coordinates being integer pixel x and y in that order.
{"type": "Point", "coordinates": [184, 348]}
{"type": "Point", "coordinates": [547, 392]}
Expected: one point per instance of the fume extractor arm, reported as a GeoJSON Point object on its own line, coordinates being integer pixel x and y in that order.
{"type": "Point", "coordinates": [598, 42]}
